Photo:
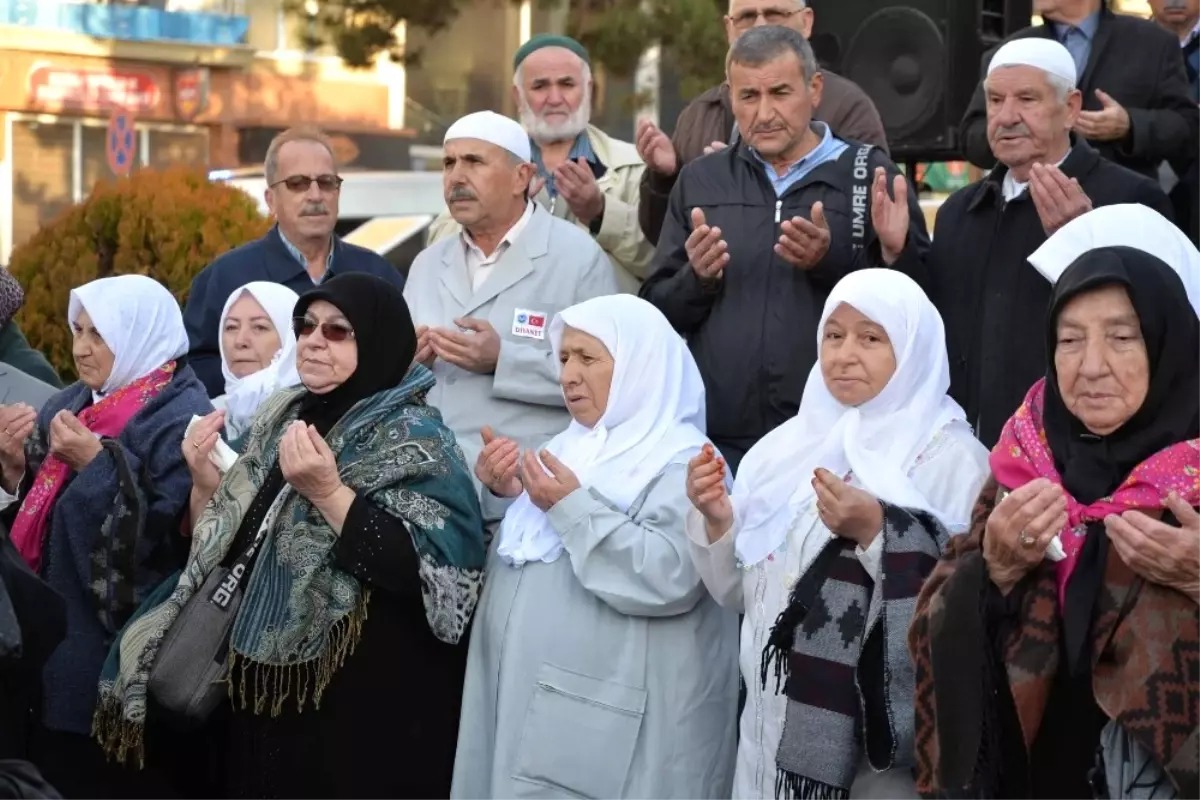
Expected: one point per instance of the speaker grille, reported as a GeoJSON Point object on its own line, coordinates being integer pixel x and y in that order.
{"type": "Point", "coordinates": [897, 56]}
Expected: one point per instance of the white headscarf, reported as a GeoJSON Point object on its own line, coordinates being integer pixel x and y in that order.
{"type": "Point", "coordinates": [654, 417]}
{"type": "Point", "coordinates": [1122, 225]}
{"type": "Point", "coordinates": [244, 395]}
{"type": "Point", "coordinates": [878, 441]}
{"type": "Point", "coordinates": [139, 320]}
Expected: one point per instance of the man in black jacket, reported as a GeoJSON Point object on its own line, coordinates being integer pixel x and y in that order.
{"type": "Point", "coordinates": [300, 252]}
{"type": "Point", "coordinates": [757, 234]}
{"type": "Point", "coordinates": [1136, 106]}
{"type": "Point", "coordinates": [991, 299]}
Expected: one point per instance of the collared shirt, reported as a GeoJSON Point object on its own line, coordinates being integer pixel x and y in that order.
{"type": "Point", "coordinates": [296, 254]}
{"type": "Point", "coordinates": [1078, 40]}
{"type": "Point", "coordinates": [1014, 188]}
{"type": "Point", "coordinates": [828, 150]}
{"type": "Point", "coordinates": [581, 148]}
{"type": "Point", "coordinates": [479, 264]}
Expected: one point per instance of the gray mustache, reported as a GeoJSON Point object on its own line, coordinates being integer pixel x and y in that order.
{"type": "Point", "coordinates": [1018, 129]}
{"type": "Point", "coordinates": [314, 210]}
{"type": "Point", "coordinates": [460, 193]}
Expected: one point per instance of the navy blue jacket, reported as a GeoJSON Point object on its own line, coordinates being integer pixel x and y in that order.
{"type": "Point", "coordinates": [266, 259]}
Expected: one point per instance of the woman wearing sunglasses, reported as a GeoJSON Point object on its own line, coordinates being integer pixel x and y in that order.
{"type": "Point", "coordinates": [353, 516]}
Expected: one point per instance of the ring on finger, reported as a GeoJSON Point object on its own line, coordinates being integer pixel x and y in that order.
{"type": "Point", "coordinates": [1027, 540]}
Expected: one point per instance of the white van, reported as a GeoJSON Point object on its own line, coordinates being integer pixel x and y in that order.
{"type": "Point", "coordinates": [388, 212]}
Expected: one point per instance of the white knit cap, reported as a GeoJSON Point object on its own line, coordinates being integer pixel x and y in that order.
{"type": "Point", "coordinates": [497, 129]}
{"type": "Point", "coordinates": [1045, 54]}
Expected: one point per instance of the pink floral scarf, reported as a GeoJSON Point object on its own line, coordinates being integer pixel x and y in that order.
{"type": "Point", "coordinates": [1022, 454]}
{"type": "Point", "coordinates": [106, 418]}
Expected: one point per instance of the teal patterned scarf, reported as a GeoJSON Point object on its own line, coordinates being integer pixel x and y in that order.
{"type": "Point", "coordinates": [301, 616]}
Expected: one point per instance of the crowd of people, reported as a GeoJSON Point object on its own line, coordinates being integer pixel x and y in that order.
{"type": "Point", "coordinates": [688, 467]}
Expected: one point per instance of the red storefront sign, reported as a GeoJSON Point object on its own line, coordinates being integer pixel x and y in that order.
{"type": "Point", "coordinates": [53, 88]}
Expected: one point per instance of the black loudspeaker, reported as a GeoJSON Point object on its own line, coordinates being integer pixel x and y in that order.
{"type": "Point", "coordinates": [918, 61]}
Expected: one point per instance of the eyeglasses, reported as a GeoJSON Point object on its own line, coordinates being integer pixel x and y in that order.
{"type": "Point", "coordinates": [332, 331]}
{"type": "Point", "coordinates": [300, 183]}
{"type": "Point", "coordinates": [771, 16]}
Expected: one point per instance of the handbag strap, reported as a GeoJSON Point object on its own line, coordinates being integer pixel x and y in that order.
{"type": "Point", "coordinates": [224, 591]}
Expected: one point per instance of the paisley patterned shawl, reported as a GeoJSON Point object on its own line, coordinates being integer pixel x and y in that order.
{"type": "Point", "coordinates": [301, 615]}
{"type": "Point", "coordinates": [1145, 660]}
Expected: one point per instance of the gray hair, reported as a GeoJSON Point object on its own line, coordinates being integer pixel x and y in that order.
{"type": "Point", "coordinates": [1061, 86]}
{"type": "Point", "coordinates": [301, 133]}
{"type": "Point", "coordinates": [766, 43]}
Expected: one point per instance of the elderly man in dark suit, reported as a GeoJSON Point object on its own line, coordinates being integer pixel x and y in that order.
{"type": "Point", "coordinates": [1137, 109]}
{"type": "Point", "coordinates": [300, 252]}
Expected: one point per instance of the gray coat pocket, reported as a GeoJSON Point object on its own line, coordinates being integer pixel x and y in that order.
{"type": "Point", "coordinates": [579, 736]}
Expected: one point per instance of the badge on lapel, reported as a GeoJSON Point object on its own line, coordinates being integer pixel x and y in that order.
{"type": "Point", "coordinates": [529, 324]}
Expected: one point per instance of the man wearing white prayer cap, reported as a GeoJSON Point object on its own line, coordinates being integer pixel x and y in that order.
{"type": "Point", "coordinates": [1137, 109]}
{"type": "Point", "coordinates": [483, 298]}
{"type": "Point", "coordinates": [991, 299]}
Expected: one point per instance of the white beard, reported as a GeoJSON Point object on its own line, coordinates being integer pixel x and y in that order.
{"type": "Point", "coordinates": [544, 132]}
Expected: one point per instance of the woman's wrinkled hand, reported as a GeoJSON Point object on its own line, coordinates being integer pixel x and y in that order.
{"type": "Point", "coordinates": [1161, 553]}
{"type": "Point", "coordinates": [197, 447]}
{"type": "Point", "coordinates": [16, 424]}
{"type": "Point", "coordinates": [706, 489]}
{"type": "Point", "coordinates": [547, 489]}
{"type": "Point", "coordinates": [847, 510]}
{"type": "Point", "coordinates": [498, 466]}
{"type": "Point", "coordinates": [308, 464]}
{"type": "Point", "coordinates": [1019, 530]}
{"type": "Point", "coordinates": [71, 442]}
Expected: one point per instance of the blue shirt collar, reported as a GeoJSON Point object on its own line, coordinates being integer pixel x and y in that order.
{"type": "Point", "coordinates": [296, 254]}
{"type": "Point", "coordinates": [1088, 27]}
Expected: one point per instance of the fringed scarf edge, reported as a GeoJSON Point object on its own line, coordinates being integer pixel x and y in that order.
{"type": "Point", "coordinates": [252, 686]}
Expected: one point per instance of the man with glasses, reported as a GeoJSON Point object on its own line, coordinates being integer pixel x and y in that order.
{"type": "Point", "coordinates": [300, 252]}
{"type": "Point", "coordinates": [708, 121]}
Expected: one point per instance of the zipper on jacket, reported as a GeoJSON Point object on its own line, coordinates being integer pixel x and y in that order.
{"type": "Point", "coordinates": [778, 207]}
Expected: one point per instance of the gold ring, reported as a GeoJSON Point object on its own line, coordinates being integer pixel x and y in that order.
{"type": "Point", "coordinates": [1027, 540]}
{"type": "Point", "coordinates": [195, 445]}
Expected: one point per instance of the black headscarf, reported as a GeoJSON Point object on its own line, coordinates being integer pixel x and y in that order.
{"type": "Point", "coordinates": [387, 343]}
{"type": "Point", "coordinates": [1093, 466]}
{"type": "Point", "coordinates": [383, 331]}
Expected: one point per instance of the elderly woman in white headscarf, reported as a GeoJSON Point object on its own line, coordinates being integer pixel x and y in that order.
{"type": "Point", "coordinates": [258, 352]}
{"type": "Point", "coordinates": [102, 487]}
{"type": "Point", "coordinates": [599, 666]}
{"type": "Point", "coordinates": [836, 518]}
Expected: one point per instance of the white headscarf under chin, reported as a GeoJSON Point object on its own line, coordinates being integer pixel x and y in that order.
{"type": "Point", "coordinates": [244, 395]}
{"type": "Point", "coordinates": [654, 418]}
{"type": "Point", "coordinates": [879, 441]}
{"type": "Point", "coordinates": [1123, 225]}
{"type": "Point", "coordinates": [139, 320]}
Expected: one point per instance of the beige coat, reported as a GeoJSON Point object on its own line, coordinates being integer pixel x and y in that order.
{"type": "Point", "coordinates": [620, 235]}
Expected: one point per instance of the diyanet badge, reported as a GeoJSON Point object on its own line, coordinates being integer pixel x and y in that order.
{"type": "Point", "coordinates": [529, 324]}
